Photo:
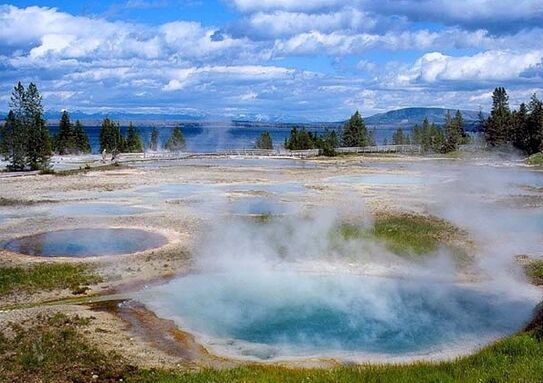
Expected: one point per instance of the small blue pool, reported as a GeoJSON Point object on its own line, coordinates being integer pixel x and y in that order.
{"type": "Point", "coordinates": [86, 242]}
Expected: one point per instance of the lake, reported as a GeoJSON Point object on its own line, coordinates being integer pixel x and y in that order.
{"type": "Point", "coordinates": [216, 137]}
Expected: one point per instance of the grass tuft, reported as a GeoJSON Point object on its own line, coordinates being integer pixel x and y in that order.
{"type": "Point", "coordinates": [535, 159]}
{"type": "Point", "coordinates": [46, 276]}
{"type": "Point", "coordinates": [534, 271]}
{"type": "Point", "coordinates": [412, 234]}
{"type": "Point", "coordinates": [52, 349]}
{"type": "Point", "coordinates": [404, 234]}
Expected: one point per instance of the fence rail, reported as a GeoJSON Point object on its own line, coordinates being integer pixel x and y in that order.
{"type": "Point", "coordinates": [132, 157]}
{"type": "Point", "coordinates": [382, 149]}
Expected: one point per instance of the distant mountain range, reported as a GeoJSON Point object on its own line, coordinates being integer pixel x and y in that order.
{"type": "Point", "coordinates": [406, 117]}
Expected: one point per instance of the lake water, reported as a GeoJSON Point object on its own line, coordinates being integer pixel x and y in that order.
{"type": "Point", "coordinates": [211, 138]}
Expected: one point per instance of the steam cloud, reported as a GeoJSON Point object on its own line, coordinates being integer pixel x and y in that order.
{"type": "Point", "coordinates": [256, 282]}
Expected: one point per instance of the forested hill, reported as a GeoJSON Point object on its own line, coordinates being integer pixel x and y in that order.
{"type": "Point", "coordinates": [411, 116]}
{"type": "Point", "coordinates": [406, 117]}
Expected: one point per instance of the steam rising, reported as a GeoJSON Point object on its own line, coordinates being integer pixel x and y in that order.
{"type": "Point", "coordinates": [290, 287]}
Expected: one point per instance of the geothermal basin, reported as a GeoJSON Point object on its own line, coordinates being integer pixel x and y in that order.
{"type": "Point", "coordinates": [275, 315]}
{"type": "Point", "coordinates": [86, 242]}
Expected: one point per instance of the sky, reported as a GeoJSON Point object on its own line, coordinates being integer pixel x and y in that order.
{"type": "Point", "coordinates": [291, 59]}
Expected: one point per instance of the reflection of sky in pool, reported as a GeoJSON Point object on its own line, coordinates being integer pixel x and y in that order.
{"type": "Point", "coordinates": [279, 188]}
{"type": "Point", "coordinates": [181, 190]}
{"type": "Point", "coordinates": [86, 209]}
{"type": "Point", "coordinates": [86, 242]}
{"type": "Point", "coordinates": [291, 314]}
{"type": "Point", "coordinates": [382, 179]}
{"type": "Point", "coordinates": [258, 206]}
{"type": "Point", "coordinates": [6, 215]}
{"type": "Point", "coordinates": [173, 190]}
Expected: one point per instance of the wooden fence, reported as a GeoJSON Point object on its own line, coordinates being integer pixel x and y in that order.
{"type": "Point", "coordinates": [148, 156]}
{"type": "Point", "coordinates": [133, 157]}
{"type": "Point", "coordinates": [382, 149]}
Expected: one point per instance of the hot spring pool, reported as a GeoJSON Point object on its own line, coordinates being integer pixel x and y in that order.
{"type": "Point", "coordinates": [86, 242]}
{"type": "Point", "coordinates": [91, 209]}
{"type": "Point", "coordinates": [259, 206]}
{"type": "Point", "coordinates": [279, 315]}
{"type": "Point", "coordinates": [382, 179]}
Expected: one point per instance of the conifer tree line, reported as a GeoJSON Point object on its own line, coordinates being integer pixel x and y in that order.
{"type": "Point", "coordinates": [26, 144]}
{"type": "Point", "coordinates": [113, 141]}
{"type": "Point", "coordinates": [354, 133]}
{"type": "Point", "coordinates": [436, 139]}
{"type": "Point", "coordinates": [24, 139]}
{"type": "Point", "coordinates": [302, 139]}
{"type": "Point", "coordinates": [521, 129]}
{"type": "Point", "coordinates": [71, 139]}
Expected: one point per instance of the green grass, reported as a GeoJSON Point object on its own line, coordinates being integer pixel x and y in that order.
{"type": "Point", "coordinates": [535, 159]}
{"type": "Point", "coordinates": [534, 271]}
{"type": "Point", "coordinates": [261, 218]}
{"type": "Point", "coordinates": [412, 234]}
{"type": "Point", "coordinates": [405, 234]}
{"type": "Point", "coordinates": [38, 353]}
{"type": "Point", "coordinates": [516, 359]}
{"type": "Point", "coordinates": [51, 349]}
{"type": "Point", "coordinates": [46, 276]}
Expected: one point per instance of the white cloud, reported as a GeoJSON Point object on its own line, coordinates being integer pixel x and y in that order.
{"type": "Point", "coordinates": [191, 76]}
{"type": "Point", "coordinates": [255, 62]}
{"type": "Point", "coordinates": [494, 66]}
{"type": "Point", "coordinates": [340, 43]}
{"type": "Point", "coordinates": [288, 5]}
{"type": "Point", "coordinates": [46, 31]}
{"type": "Point", "coordinates": [517, 14]}
{"type": "Point", "coordinates": [282, 23]}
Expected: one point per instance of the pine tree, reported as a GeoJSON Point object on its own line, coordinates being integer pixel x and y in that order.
{"type": "Point", "coordinates": [480, 127]}
{"type": "Point", "coordinates": [398, 138]}
{"type": "Point", "coordinates": [24, 138]}
{"type": "Point", "coordinates": [429, 136]}
{"type": "Point", "coordinates": [12, 143]}
{"type": "Point", "coordinates": [111, 138]}
{"type": "Point", "coordinates": [329, 143]}
{"type": "Point", "coordinates": [176, 142]}
{"type": "Point", "coordinates": [355, 132]}
{"type": "Point", "coordinates": [81, 139]}
{"type": "Point", "coordinates": [133, 142]}
{"type": "Point", "coordinates": [153, 142]}
{"type": "Point", "coordinates": [15, 131]}
{"type": "Point", "coordinates": [454, 132]}
{"type": "Point", "coordinates": [264, 141]}
{"type": "Point", "coordinates": [38, 144]}
{"type": "Point", "coordinates": [519, 129]}
{"type": "Point", "coordinates": [534, 126]}
{"type": "Point", "coordinates": [498, 125]}
{"type": "Point", "coordinates": [65, 140]}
